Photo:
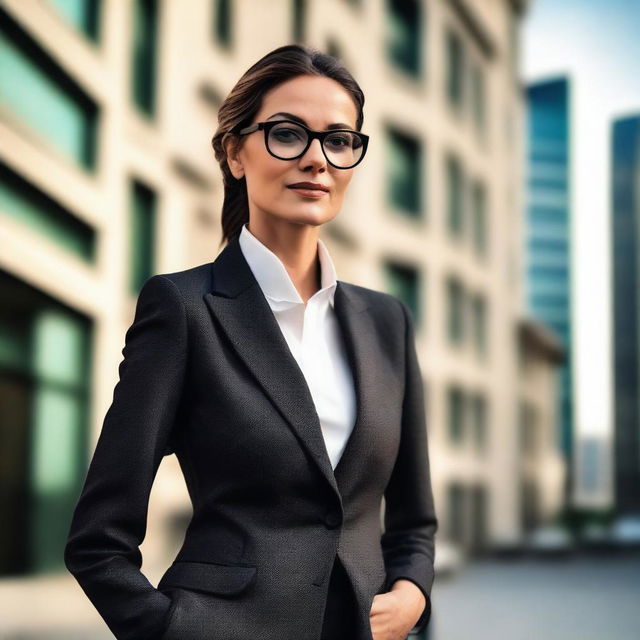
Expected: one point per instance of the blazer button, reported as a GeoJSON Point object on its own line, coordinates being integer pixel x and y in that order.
{"type": "Point", "coordinates": [332, 518]}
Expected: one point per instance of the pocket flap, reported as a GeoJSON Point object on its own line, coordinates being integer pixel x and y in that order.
{"type": "Point", "coordinates": [208, 577]}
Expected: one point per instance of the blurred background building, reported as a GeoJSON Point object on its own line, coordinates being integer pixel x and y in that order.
{"type": "Point", "coordinates": [625, 239]}
{"type": "Point", "coordinates": [548, 234]}
{"type": "Point", "coordinates": [107, 109]}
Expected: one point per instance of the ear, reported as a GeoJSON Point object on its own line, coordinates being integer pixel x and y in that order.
{"type": "Point", "coordinates": [231, 144]}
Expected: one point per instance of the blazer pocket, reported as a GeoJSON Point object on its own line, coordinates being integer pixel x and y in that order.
{"type": "Point", "coordinates": [209, 577]}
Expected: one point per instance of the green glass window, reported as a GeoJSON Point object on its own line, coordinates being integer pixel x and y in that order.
{"type": "Point", "coordinates": [222, 22]}
{"type": "Point", "coordinates": [479, 406]}
{"type": "Point", "coordinates": [480, 324]}
{"type": "Point", "coordinates": [40, 94]}
{"type": "Point", "coordinates": [404, 282]}
{"type": "Point", "coordinates": [403, 25]}
{"type": "Point", "coordinates": [479, 219]}
{"type": "Point", "coordinates": [528, 429]}
{"type": "Point", "coordinates": [84, 15]}
{"type": "Point", "coordinates": [455, 310]}
{"type": "Point", "coordinates": [456, 414]}
{"type": "Point", "coordinates": [479, 97]}
{"type": "Point", "coordinates": [142, 240]}
{"type": "Point", "coordinates": [334, 49]}
{"type": "Point", "coordinates": [60, 349]}
{"type": "Point", "coordinates": [298, 19]}
{"type": "Point", "coordinates": [455, 69]}
{"type": "Point", "coordinates": [404, 159]}
{"type": "Point", "coordinates": [455, 196]}
{"type": "Point", "coordinates": [45, 381]}
{"type": "Point", "coordinates": [143, 76]}
{"type": "Point", "coordinates": [31, 207]}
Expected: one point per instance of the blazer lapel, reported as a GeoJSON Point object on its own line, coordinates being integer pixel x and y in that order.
{"type": "Point", "coordinates": [238, 305]}
{"type": "Point", "coordinates": [360, 341]}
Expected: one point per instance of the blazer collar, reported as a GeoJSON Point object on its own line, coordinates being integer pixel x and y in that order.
{"type": "Point", "coordinates": [238, 305]}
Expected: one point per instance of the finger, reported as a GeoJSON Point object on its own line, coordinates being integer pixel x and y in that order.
{"type": "Point", "coordinates": [378, 605]}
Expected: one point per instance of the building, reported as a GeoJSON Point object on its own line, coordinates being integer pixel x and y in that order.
{"type": "Point", "coordinates": [625, 220]}
{"type": "Point", "coordinates": [548, 233]}
{"type": "Point", "coordinates": [541, 466]}
{"type": "Point", "coordinates": [107, 177]}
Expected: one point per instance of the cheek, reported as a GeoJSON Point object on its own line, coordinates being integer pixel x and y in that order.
{"type": "Point", "coordinates": [341, 183]}
{"type": "Point", "coordinates": [266, 180]}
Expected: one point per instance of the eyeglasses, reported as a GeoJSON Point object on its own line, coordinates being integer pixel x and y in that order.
{"type": "Point", "coordinates": [288, 140]}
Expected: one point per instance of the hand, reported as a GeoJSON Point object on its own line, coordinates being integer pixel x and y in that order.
{"type": "Point", "coordinates": [394, 613]}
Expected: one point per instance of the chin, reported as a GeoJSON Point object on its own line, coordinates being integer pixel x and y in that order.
{"type": "Point", "coordinates": [317, 217]}
{"type": "Point", "coordinates": [307, 215]}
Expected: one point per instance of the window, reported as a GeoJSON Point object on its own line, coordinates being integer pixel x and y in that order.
{"type": "Point", "coordinates": [479, 96]}
{"type": "Point", "coordinates": [528, 429]}
{"type": "Point", "coordinates": [82, 14]}
{"type": "Point", "coordinates": [334, 49]}
{"type": "Point", "coordinates": [404, 282]}
{"type": "Point", "coordinates": [44, 97]}
{"type": "Point", "coordinates": [222, 23]}
{"type": "Point", "coordinates": [299, 18]}
{"type": "Point", "coordinates": [529, 504]}
{"type": "Point", "coordinates": [479, 218]}
{"type": "Point", "coordinates": [404, 170]}
{"type": "Point", "coordinates": [142, 239]}
{"type": "Point", "coordinates": [33, 208]}
{"type": "Point", "coordinates": [455, 69]}
{"type": "Point", "coordinates": [143, 76]}
{"type": "Point", "coordinates": [479, 408]}
{"type": "Point", "coordinates": [403, 24]}
{"type": "Point", "coordinates": [479, 313]}
{"type": "Point", "coordinates": [456, 414]}
{"type": "Point", "coordinates": [455, 310]}
{"type": "Point", "coordinates": [546, 214]}
{"type": "Point", "coordinates": [45, 384]}
{"type": "Point", "coordinates": [552, 273]}
{"type": "Point", "coordinates": [455, 195]}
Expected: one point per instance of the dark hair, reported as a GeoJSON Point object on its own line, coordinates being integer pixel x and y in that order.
{"type": "Point", "coordinates": [245, 100]}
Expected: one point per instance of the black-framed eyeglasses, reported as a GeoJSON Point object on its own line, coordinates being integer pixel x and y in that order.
{"type": "Point", "coordinates": [288, 140]}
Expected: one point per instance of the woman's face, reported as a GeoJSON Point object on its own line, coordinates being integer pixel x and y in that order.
{"type": "Point", "coordinates": [320, 102]}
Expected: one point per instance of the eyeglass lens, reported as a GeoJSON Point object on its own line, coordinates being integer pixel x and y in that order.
{"type": "Point", "coordinates": [287, 140]}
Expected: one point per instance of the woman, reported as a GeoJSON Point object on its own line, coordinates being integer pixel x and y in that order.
{"type": "Point", "coordinates": [293, 402]}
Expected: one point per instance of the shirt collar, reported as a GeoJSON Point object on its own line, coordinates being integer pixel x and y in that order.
{"type": "Point", "coordinates": [272, 275]}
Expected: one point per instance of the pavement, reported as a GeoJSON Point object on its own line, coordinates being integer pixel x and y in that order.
{"type": "Point", "coordinates": [575, 598]}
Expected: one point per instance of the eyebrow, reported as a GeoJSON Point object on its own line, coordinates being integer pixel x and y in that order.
{"type": "Point", "coordinates": [291, 116]}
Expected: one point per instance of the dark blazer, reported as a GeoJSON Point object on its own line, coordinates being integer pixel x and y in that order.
{"type": "Point", "coordinates": [207, 374]}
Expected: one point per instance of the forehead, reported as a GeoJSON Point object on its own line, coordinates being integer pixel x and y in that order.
{"type": "Point", "coordinates": [319, 100]}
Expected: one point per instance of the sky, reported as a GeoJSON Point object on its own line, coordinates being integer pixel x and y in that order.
{"type": "Point", "coordinates": [597, 43]}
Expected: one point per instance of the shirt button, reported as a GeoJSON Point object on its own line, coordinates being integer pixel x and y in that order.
{"type": "Point", "coordinates": [332, 519]}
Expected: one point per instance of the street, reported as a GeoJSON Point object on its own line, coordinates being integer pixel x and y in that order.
{"type": "Point", "coordinates": [586, 598]}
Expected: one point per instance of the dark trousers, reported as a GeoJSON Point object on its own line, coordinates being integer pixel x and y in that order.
{"type": "Point", "coordinates": [340, 616]}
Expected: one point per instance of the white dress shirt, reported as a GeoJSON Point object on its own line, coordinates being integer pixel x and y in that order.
{"type": "Point", "coordinates": [314, 338]}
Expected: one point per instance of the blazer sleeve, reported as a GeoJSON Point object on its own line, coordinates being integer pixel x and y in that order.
{"type": "Point", "coordinates": [110, 518]}
{"type": "Point", "coordinates": [408, 542]}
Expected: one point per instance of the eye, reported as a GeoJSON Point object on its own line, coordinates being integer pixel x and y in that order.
{"type": "Point", "coordinates": [340, 140]}
{"type": "Point", "coordinates": [286, 134]}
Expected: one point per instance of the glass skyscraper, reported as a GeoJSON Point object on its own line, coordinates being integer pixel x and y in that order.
{"type": "Point", "coordinates": [625, 219]}
{"type": "Point", "coordinates": [547, 231]}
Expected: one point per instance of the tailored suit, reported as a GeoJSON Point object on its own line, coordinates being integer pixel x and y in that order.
{"type": "Point", "coordinates": [208, 375]}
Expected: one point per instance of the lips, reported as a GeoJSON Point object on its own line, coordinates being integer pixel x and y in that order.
{"type": "Point", "coordinates": [310, 186]}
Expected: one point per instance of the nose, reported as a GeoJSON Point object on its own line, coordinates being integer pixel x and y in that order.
{"type": "Point", "coordinates": [314, 155]}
